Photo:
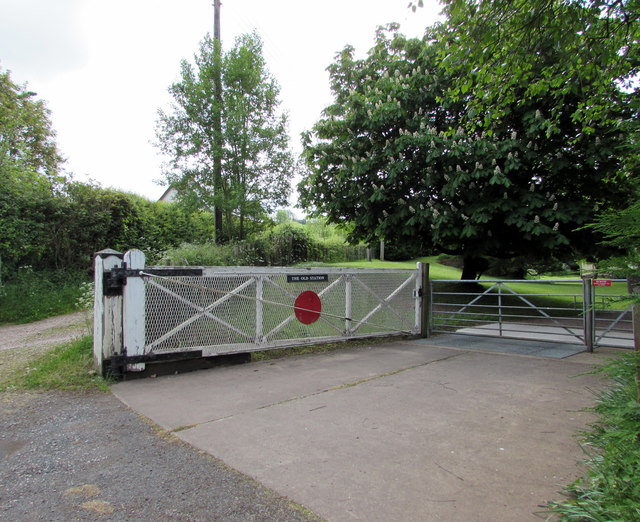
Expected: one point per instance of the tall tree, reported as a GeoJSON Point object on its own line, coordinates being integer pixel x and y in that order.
{"type": "Point", "coordinates": [29, 173]}
{"type": "Point", "coordinates": [257, 158]}
{"type": "Point", "coordinates": [27, 139]}
{"type": "Point", "coordinates": [252, 141]}
{"type": "Point", "coordinates": [394, 157]}
{"type": "Point", "coordinates": [512, 50]}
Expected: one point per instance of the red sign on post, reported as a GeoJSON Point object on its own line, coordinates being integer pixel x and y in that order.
{"type": "Point", "coordinates": [601, 282]}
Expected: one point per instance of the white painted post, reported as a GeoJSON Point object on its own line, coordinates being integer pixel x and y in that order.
{"type": "Point", "coordinates": [259, 310]}
{"type": "Point", "coordinates": [133, 310]}
{"type": "Point", "coordinates": [107, 311]}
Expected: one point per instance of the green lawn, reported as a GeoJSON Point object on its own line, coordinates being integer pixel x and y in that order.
{"type": "Point", "coordinates": [436, 270]}
{"type": "Point", "coordinates": [560, 293]}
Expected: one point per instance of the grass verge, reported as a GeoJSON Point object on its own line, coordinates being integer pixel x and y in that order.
{"type": "Point", "coordinates": [65, 367]}
{"type": "Point", "coordinates": [610, 489]}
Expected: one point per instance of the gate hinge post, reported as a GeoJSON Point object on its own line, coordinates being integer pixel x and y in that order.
{"type": "Point", "coordinates": [423, 307]}
{"type": "Point", "coordinates": [589, 313]}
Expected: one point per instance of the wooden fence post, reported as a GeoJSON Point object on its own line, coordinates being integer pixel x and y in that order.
{"type": "Point", "coordinates": [107, 311]}
{"type": "Point", "coordinates": [424, 309]}
{"type": "Point", "coordinates": [133, 310]}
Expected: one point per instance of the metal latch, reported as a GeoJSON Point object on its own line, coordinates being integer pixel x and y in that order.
{"type": "Point", "coordinates": [115, 279]}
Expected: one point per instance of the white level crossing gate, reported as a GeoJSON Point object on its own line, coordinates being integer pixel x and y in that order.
{"type": "Point", "coordinates": [170, 313]}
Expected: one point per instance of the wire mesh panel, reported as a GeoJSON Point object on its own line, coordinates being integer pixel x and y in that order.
{"type": "Point", "coordinates": [237, 309]}
{"type": "Point", "coordinates": [195, 312]}
{"type": "Point", "coordinates": [380, 304]}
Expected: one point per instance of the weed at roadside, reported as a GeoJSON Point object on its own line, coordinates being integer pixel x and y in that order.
{"type": "Point", "coordinates": [610, 489]}
{"type": "Point", "coordinates": [65, 367]}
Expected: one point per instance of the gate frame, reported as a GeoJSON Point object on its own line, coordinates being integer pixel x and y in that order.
{"type": "Point", "coordinates": [590, 337]}
{"type": "Point", "coordinates": [119, 326]}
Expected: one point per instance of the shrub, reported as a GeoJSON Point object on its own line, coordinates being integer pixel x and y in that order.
{"type": "Point", "coordinates": [207, 254]}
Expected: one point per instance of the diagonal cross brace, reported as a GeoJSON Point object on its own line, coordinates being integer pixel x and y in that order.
{"type": "Point", "coordinates": [201, 312]}
{"type": "Point", "coordinates": [384, 302]}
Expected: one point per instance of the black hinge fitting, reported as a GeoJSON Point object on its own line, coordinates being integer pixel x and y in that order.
{"type": "Point", "coordinates": [113, 280]}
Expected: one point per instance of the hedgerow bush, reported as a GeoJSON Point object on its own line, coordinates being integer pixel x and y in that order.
{"type": "Point", "coordinates": [29, 295]}
{"type": "Point", "coordinates": [284, 245]}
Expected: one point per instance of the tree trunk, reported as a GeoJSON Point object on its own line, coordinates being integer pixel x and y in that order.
{"type": "Point", "coordinates": [473, 267]}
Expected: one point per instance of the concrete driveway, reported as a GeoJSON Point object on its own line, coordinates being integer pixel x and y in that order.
{"type": "Point", "coordinates": [399, 431]}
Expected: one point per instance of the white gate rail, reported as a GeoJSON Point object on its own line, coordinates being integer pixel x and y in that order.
{"type": "Point", "coordinates": [180, 312]}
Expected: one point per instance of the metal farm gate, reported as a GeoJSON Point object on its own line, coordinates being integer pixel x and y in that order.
{"type": "Point", "coordinates": [169, 313]}
{"type": "Point", "coordinates": [591, 312]}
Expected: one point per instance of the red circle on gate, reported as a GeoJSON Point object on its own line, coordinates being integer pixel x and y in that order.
{"type": "Point", "coordinates": [308, 307]}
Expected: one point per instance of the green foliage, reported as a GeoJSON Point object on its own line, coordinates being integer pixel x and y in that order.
{"type": "Point", "coordinates": [621, 229]}
{"type": "Point", "coordinates": [395, 155]}
{"type": "Point", "coordinates": [251, 142]}
{"type": "Point", "coordinates": [27, 140]}
{"type": "Point", "coordinates": [30, 296]}
{"type": "Point", "coordinates": [204, 254]}
{"type": "Point", "coordinates": [511, 51]}
{"type": "Point", "coordinates": [66, 367]}
{"type": "Point", "coordinates": [286, 244]}
{"type": "Point", "coordinates": [64, 230]}
{"type": "Point", "coordinates": [290, 244]}
{"type": "Point", "coordinates": [610, 490]}
{"type": "Point", "coordinates": [284, 216]}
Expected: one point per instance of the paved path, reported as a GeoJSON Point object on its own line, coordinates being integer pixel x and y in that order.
{"type": "Point", "coordinates": [399, 431]}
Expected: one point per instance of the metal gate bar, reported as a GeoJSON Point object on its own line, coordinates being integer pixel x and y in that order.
{"type": "Point", "coordinates": [498, 309]}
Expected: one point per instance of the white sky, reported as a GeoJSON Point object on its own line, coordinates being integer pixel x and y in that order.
{"type": "Point", "coordinates": [104, 66]}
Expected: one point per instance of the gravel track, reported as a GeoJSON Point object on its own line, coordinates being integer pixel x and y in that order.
{"type": "Point", "coordinates": [20, 343]}
{"type": "Point", "coordinates": [86, 456]}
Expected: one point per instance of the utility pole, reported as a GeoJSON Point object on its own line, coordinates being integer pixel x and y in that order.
{"type": "Point", "coordinates": [217, 124]}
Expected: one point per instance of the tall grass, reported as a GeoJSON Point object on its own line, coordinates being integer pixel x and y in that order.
{"type": "Point", "coordinates": [29, 296]}
{"type": "Point", "coordinates": [610, 490]}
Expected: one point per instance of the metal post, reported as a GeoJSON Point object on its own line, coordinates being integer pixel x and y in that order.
{"type": "Point", "coordinates": [588, 313]}
{"type": "Point", "coordinates": [424, 295]}
{"type": "Point", "coordinates": [259, 310]}
{"type": "Point", "coordinates": [500, 309]}
{"type": "Point", "coordinates": [633, 286]}
{"type": "Point", "coordinates": [347, 305]}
